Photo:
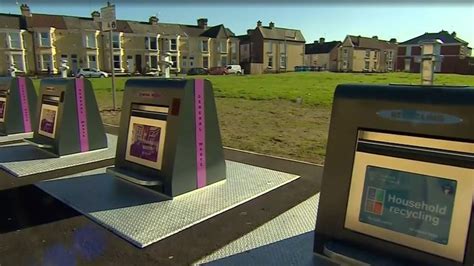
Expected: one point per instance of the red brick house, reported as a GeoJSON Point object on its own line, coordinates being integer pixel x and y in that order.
{"type": "Point", "coordinates": [455, 54]}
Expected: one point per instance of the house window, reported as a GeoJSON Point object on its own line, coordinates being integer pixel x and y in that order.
{"type": "Point", "coordinates": [90, 40]}
{"type": "Point", "coordinates": [223, 60]}
{"type": "Point", "coordinates": [366, 65]}
{"type": "Point", "coordinates": [233, 47]}
{"type": "Point", "coordinates": [205, 46]}
{"type": "Point", "coordinates": [390, 54]}
{"type": "Point", "coordinates": [17, 61]}
{"type": "Point", "coordinates": [92, 61]}
{"type": "Point", "coordinates": [375, 54]}
{"type": "Point", "coordinates": [270, 62]}
{"type": "Point", "coordinates": [184, 59]}
{"type": "Point", "coordinates": [345, 51]}
{"type": "Point", "coordinates": [205, 61]}
{"type": "Point", "coordinates": [223, 47]}
{"type": "Point", "coordinates": [116, 41]}
{"type": "Point", "coordinates": [174, 59]}
{"type": "Point", "coordinates": [15, 40]}
{"type": "Point", "coordinates": [191, 61]}
{"type": "Point", "coordinates": [173, 45]}
{"type": "Point", "coordinates": [282, 61]}
{"type": "Point", "coordinates": [375, 65]}
{"type": "Point", "coordinates": [367, 53]}
{"type": "Point", "coordinates": [151, 43]}
{"type": "Point", "coordinates": [283, 48]}
{"type": "Point", "coordinates": [344, 64]}
{"type": "Point", "coordinates": [154, 61]}
{"type": "Point", "coordinates": [117, 62]}
{"type": "Point", "coordinates": [45, 39]}
{"type": "Point", "coordinates": [270, 47]}
{"type": "Point", "coordinates": [46, 60]}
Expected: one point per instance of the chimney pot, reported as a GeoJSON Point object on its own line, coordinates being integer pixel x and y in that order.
{"type": "Point", "coordinates": [153, 20]}
{"type": "Point", "coordinates": [259, 23]}
{"type": "Point", "coordinates": [25, 10]}
{"type": "Point", "coordinates": [202, 23]}
{"type": "Point", "coordinates": [375, 37]}
{"type": "Point", "coordinates": [271, 25]}
{"type": "Point", "coordinates": [321, 40]}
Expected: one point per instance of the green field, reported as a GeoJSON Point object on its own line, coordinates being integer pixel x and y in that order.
{"type": "Point", "coordinates": [260, 113]}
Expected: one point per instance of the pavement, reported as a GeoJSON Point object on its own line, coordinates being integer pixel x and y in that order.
{"type": "Point", "coordinates": [36, 229]}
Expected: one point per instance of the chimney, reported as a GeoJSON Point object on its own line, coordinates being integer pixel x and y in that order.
{"type": "Point", "coordinates": [95, 15]}
{"type": "Point", "coordinates": [271, 25]}
{"type": "Point", "coordinates": [249, 32]}
{"type": "Point", "coordinates": [321, 40]}
{"type": "Point", "coordinates": [453, 34]}
{"type": "Point", "coordinates": [375, 37]}
{"type": "Point", "coordinates": [259, 23]}
{"type": "Point", "coordinates": [202, 23]}
{"type": "Point", "coordinates": [393, 40]}
{"type": "Point", "coordinates": [316, 42]}
{"type": "Point", "coordinates": [153, 20]}
{"type": "Point", "coordinates": [25, 10]}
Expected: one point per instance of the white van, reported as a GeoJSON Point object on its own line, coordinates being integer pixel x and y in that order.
{"type": "Point", "coordinates": [234, 69]}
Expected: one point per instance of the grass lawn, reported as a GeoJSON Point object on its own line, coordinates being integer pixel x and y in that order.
{"type": "Point", "coordinates": [259, 112]}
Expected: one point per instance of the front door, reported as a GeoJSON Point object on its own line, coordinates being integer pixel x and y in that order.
{"type": "Point", "coordinates": [138, 63]}
{"type": "Point", "coordinates": [74, 63]}
{"type": "Point", "coordinates": [131, 64]}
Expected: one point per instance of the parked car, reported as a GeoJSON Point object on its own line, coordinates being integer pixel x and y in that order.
{"type": "Point", "coordinates": [218, 71]}
{"type": "Point", "coordinates": [197, 71]}
{"type": "Point", "coordinates": [234, 69]}
{"type": "Point", "coordinates": [91, 73]}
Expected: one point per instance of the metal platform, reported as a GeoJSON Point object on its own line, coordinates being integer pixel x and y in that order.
{"type": "Point", "coordinates": [22, 160]}
{"type": "Point", "coordinates": [285, 240]}
{"type": "Point", "coordinates": [143, 217]}
{"type": "Point", "coordinates": [15, 138]}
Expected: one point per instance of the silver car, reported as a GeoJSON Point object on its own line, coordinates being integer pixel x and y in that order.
{"type": "Point", "coordinates": [91, 73]}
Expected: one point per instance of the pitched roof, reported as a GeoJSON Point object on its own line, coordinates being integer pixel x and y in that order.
{"type": "Point", "coordinates": [46, 21]}
{"type": "Point", "coordinates": [275, 33]}
{"type": "Point", "coordinates": [321, 48]}
{"type": "Point", "coordinates": [192, 30]}
{"type": "Point", "coordinates": [143, 27]}
{"type": "Point", "coordinates": [170, 29]}
{"type": "Point", "coordinates": [123, 26]}
{"type": "Point", "coordinates": [443, 35]}
{"type": "Point", "coordinates": [214, 32]}
{"type": "Point", "coordinates": [371, 43]}
{"type": "Point", "coordinates": [8, 21]}
{"type": "Point", "coordinates": [81, 23]}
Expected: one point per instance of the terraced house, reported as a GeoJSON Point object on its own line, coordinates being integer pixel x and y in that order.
{"type": "Point", "coordinates": [455, 53]}
{"type": "Point", "coordinates": [271, 49]}
{"type": "Point", "coordinates": [37, 43]}
{"type": "Point", "coordinates": [363, 54]}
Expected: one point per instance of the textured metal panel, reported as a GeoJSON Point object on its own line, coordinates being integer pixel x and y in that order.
{"type": "Point", "coordinates": [143, 217]}
{"type": "Point", "coordinates": [285, 240]}
{"type": "Point", "coordinates": [15, 137]}
{"type": "Point", "coordinates": [23, 160]}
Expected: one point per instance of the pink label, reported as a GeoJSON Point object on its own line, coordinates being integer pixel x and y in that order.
{"type": "Point", "coordinates": [82, 115]}
{"type": "Point", "coordinates": [200, 132]}
{"type": "Point", "coordinates": [25, 108]}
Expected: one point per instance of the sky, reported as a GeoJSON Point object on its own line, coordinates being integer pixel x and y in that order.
{"type": "Point", "coordinates": [331, 20]}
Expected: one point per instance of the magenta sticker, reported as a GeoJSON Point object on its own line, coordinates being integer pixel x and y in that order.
{"type": "Point", "coordinates": [82, 115]}
{"type": "Point", "coordinates": [25, 108]}
{"type": "Point", "coordinates": [200, 132]}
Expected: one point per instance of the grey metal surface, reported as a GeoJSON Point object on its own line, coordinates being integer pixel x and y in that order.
{"type": "Point", "coordinates": [143, 217]}
{"type": "Point", "coordinates": [23, 159]}
{"type": "Point", "coordinates": [15, 137]}
{"type": "Point", "coordinates": [285, 240]}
